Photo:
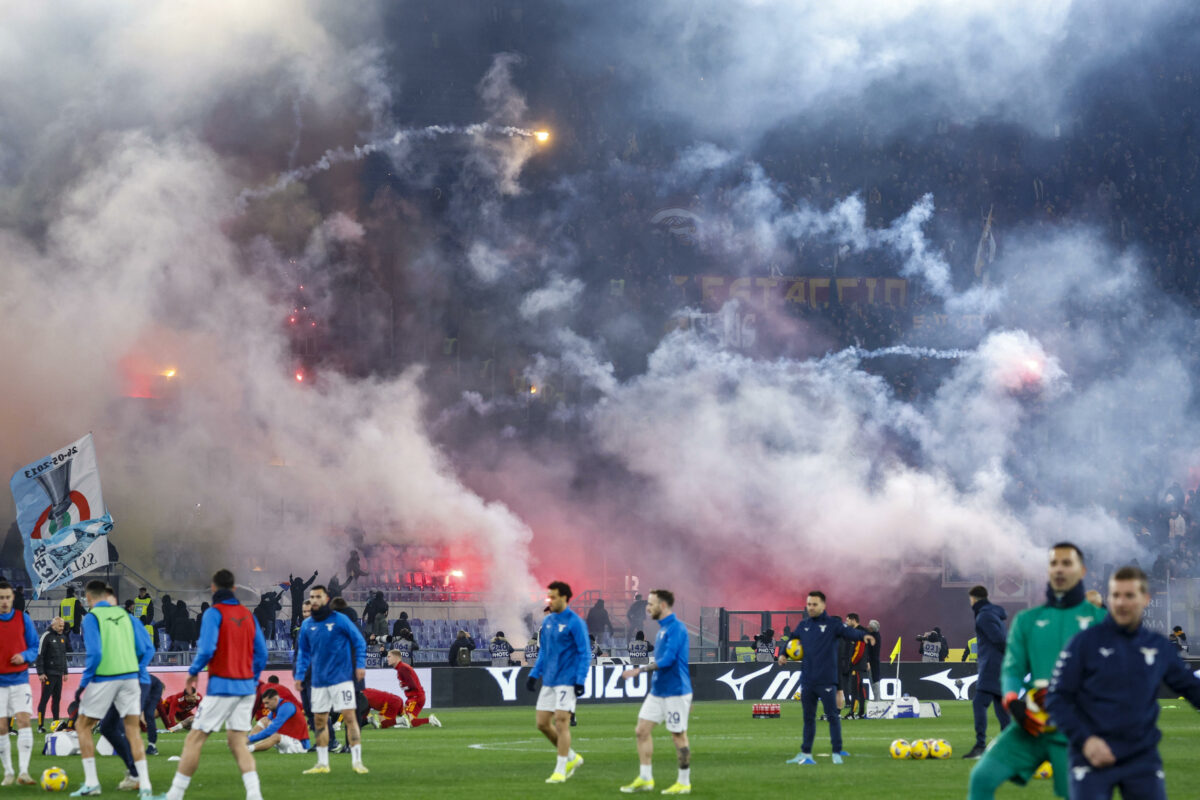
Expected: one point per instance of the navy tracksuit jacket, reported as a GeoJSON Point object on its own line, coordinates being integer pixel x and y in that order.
{"type": "Point", "coordinates": [1106, 684]}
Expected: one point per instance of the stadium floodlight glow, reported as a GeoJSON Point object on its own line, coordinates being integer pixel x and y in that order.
{"type": "Point", "coordinates": [299, 377]}
{"type": "Point", "coordinates": [533, 389]}
{"type": "Point", "coordinates": [169, 372]}
{"type": "Point", "coordinates": [458, 573]}
{"type": "Point", "coordinates": [542, 136]}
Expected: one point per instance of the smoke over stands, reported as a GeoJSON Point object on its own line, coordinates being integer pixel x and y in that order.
{"type": "Point", "coordinates": [741, 299]}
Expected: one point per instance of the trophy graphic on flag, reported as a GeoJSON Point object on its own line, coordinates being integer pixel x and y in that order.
{"type": "Point", "coordinates": [57, 485]}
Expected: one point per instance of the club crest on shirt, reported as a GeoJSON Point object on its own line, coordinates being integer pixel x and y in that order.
{"type": "Point", "coordinates": [328, 626]}
{"type": "Point", "coordinates": [822, 627]}
{"type": "Point", "coordinates": [1084, 622]}
{"type": "Point", "coordinates": [1106, 651]}
{"type": "Point", "coordinates": [1149, 653]}
{"type": "Point", "coordinates": [561, 627]}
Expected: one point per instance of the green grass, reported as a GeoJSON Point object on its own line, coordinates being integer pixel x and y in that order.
{"type": "Point", "coordinates": [498, 753]}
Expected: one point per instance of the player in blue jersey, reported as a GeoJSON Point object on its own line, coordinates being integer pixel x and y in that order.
{"type": "Point", "coordinates": [670, 697]}
{"type": "Point", "coordinates": [334, 648]}
{"type": "Point", "coordinates": [564, 656]}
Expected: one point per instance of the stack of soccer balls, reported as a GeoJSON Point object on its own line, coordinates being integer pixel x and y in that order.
{"type": "Point", "coordinates": [54, 779]}
{"type": "Point", "coordinates": [920, 749]}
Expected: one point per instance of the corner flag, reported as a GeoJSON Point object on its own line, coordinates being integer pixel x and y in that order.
{"type": "Point", "coordinates": [895, 652]}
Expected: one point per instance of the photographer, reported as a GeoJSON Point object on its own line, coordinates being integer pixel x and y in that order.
{"type": "Point", "coordinates": [934, 646]}
{"type": "Point", "coordinates": [764, 646]}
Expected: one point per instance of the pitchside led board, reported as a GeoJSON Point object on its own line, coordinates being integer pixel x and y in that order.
{"type": "Point", "coordinates": [61, 514]}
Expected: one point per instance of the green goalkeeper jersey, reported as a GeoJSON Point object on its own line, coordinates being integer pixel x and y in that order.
{"type": "Point", "coordinates": [1039, 634]}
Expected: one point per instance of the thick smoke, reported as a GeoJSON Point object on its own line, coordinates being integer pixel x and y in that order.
{"type": "Point", "coordinates": [508, 365]}
{"type": "Point", "coordinates": [129, 257]}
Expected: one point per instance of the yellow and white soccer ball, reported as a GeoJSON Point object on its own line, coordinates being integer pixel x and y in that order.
{"type": "Point", "coordinates": [940, 748]}
{"type": "Point", "coordinates": [919, 750]}
{"type": "Point", "coordinates": [794, 650]}
{"type": "Point", "coordinates": [54, 779]}
{"type": "Point", "coordinates": [899, 749]}
{"type": "Point", "coordinates": [1045, 771]}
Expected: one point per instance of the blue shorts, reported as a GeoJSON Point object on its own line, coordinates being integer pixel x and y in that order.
{"type": "Point", "coordinates": [1140, 777]}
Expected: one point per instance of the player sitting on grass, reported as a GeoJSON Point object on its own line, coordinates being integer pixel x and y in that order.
{"type": "Point", "coordinates": [285, 728]}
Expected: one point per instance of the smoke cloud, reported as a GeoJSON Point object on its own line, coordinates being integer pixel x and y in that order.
{"type": "Point", "coordinates": [392, 310]}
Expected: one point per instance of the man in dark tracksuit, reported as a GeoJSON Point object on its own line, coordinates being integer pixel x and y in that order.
{"type": "Point", "coordinates": [990, 637]}
{"type": "Point", "coordinates": [1104, 697]}
{"type": "Point", "coordinates": [819, 635]}
{"type": "Point", "coordinates": [52, 668]}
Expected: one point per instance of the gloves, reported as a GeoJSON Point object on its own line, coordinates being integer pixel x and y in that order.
{"type": "Point", "coordinates": [1027, 712]}
{"type": "Point", "coordinates": [531, 683]}
{"type": "Point", "coordinates": [579, 690]}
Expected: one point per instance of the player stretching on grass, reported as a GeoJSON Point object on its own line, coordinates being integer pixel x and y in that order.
{"type": "Point", "coordinates": [670, 697]}
{"type": "Point", "coordinates": [562, 664]}
{"type": "Point", "coordinates": [1035, 639]}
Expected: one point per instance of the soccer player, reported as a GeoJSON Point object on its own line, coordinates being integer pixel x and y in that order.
{"type": "Point", "coordinates": [819, 636]}
{"type": "Point", "coordinates": [564, 656]}
{"type": "Point", "coordinates": [1104, 696]}
{"type": "Point", "coordinates": [235, 652]}
{"type": "Point", "coordinates": [18, 649]}
{"type": "Point", "coordinates": [1035, 639]}
{"type": "Point", "coordinates": [669, 700]}
{"type": "Point", "coordinates": [117, 651]}
{"type": "Point", "coordinates": [387, 708]}
{"type": "Point", "coordinates": [335, 649]}
{"type": "Point", "coordinates": [178, 711]}
{"type": "Point", "coordinates": [414, 693]}
{"type": "Point", "coordinates": [286, 729]}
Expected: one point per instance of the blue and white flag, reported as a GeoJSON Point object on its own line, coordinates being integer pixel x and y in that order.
{"type": "Point", "coordinates": [61, 513]}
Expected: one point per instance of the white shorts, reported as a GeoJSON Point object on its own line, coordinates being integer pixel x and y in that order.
{"type": "Point", "coordinates": [99, 696]}
{"type": "Point", "coordinates": [232, 711]}
{"type": "Point", "coordinates": [671, 710]}
{"type": "Point", "coordinates": [289, 746]}
{"type": "Point", "coordinates": [556, 698]}
{"type": "Point", "coordinates": [338, 697]}
{"type": "Point", "coordinates": [16, 700]}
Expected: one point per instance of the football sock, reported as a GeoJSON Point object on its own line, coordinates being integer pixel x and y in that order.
{"type": "Point", "coordinates": [561, 765]}
{"type": "Point", "coordinates": [571, 754]}
{"type": "Point", "coordinates": [356, 753]}
{"type": "Point", "coordinates": [250, 781]}
{"type": "Point", "coordinates": [685, 776]}
{"type": "Point", "coordinates": [179, 785]}
{"type": "Point", "coordinates": [89, 772]}
{"type": "Point", "coordinates": [143, 774]}
{"type": "Point", "coordinates": [6, 753]}
{"type": "Point", "coordinates": [646, 772]}
{"type": "Point", "coordinates": [323, 756]}
{"type": "Point", "coordinates": [24, 748]}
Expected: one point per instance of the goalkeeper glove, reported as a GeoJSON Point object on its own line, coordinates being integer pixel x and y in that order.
{"type": "Point", "coordinates": [531, 683]}
{"type": "Point", "coordinates": [579, 690]}
{"type": "Point", "coordinates": [1027, 711]}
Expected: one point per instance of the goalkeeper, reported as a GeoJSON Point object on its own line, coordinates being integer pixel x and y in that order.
{"type": "Point", "coordinates": [1035, 639]}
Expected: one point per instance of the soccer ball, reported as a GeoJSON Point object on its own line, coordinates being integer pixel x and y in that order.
{"type": "Point", "coordinates": [939, 749]}
{"type": "Point", "coordinates": [899, 749]}
{"type": "Point", "coordinates": [919, 751]}
{"type": "Point", "coordinates": [1045, 771]}
{"type": "Point", "coordinates": [795, 650]}
{"type": "Point", "coordinates": [54, 779]}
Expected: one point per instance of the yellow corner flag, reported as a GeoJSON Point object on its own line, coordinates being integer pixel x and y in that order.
{"type": "Point", "coordinates": [895, 651]}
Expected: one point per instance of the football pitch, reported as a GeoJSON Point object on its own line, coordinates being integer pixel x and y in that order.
{"type": "Point", "coordinates": [498, 753]}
